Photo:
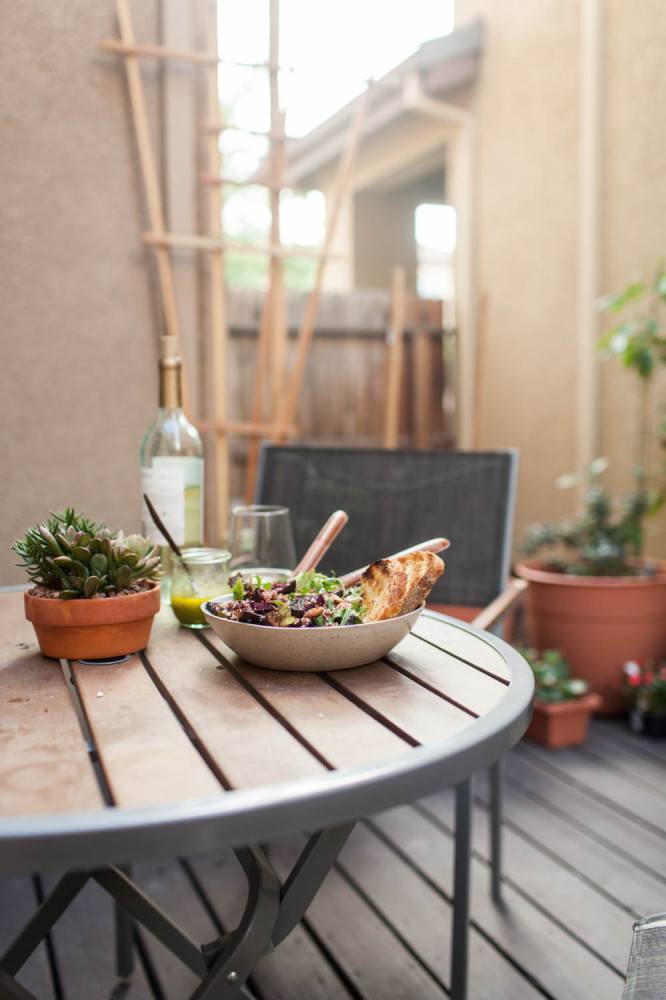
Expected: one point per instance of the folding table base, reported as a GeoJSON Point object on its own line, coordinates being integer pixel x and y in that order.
{"type": "Point", "coordinates": [272, 910]}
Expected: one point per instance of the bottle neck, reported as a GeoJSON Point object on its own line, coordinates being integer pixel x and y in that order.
{"type": "Point", "coordinates": [171, 393]}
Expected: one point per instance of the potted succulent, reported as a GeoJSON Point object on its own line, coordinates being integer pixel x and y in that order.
{"type": "Point", "coordinates": [562, 704]}
{"type": "Point", "coordinates": [95, 591]}
{"type": "Point", "coordinates": [595, 596]}
{"type": "Point", "coordinates": [646, 688]}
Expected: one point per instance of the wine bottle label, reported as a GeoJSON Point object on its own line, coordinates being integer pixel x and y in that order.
{"type": "Point", "coordinates": [175, 487]}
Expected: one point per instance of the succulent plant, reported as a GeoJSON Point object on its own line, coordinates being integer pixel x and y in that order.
{"type": "Point", "coordinates": [80, 558]}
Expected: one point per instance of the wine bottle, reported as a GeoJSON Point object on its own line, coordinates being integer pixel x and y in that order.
{"type": "Point", "coordinates": [172, 465]}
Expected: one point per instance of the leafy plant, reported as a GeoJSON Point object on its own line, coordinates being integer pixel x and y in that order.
{"type": "Point", "coordinates": [603, 538]}
{"type": "Point", "coordinates": [551, 676]}
{"type": "Point", "coordinates": [80, 558]}
{"type": "Point", "coordinates": [606, 535]}
{"type": "Point", "coordinates": [646, 687]}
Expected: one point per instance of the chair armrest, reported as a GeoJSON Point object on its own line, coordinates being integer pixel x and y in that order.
{"type": "Point", "coordinates": [492, 613]}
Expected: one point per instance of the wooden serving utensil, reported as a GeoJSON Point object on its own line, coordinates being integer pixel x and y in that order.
{"type": "Point", "coordinates": [432, 545]}
{"type": "Point", "coordinates": [322, 542]}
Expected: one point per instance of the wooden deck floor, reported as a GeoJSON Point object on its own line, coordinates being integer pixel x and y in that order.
{"type": "Point", "coordinates": [584, 842]}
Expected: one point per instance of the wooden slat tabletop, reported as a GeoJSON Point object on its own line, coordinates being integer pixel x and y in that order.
{"type": "Point", "coordinates": [188, 720]}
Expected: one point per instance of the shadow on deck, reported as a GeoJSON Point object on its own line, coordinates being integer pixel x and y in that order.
{"type": "Point", "coordinates": [584, 848]}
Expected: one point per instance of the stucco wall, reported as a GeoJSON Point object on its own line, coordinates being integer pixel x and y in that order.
{"type": "Point", "coordinates": [78, 346]}
{"type": "Point", "coordinates": [527, 189]}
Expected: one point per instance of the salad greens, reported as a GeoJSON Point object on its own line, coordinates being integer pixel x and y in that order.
{"type": "Point", "coordinates": [312, 600]}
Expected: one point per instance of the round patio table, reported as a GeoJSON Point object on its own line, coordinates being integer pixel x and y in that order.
{"type": "Point", "coordinates": [184, 748]}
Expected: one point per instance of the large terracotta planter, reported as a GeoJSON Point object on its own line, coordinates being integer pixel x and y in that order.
{"type": "Point", "coordinates": [563, 723]}
{"type": "Point", "coordinates": [93, 629]}
{"type": "Point", "coordinates": [598, 623]}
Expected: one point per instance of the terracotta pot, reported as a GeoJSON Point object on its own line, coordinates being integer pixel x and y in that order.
{"type": "Point", "coordinates": [562, 723]}
{"type": "Point", "coordinates": [598, 622]}
{"type": "Point", "coordinates": [83, 629]}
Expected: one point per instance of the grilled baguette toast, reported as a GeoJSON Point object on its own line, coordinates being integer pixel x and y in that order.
{"type": "Point", "coordinates": [397, 585]}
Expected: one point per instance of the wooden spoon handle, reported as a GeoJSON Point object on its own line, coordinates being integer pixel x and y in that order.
{"type": "Point", "coordinates": [432, 545]}
{"type": "Point", "coordinates": [322, 543]}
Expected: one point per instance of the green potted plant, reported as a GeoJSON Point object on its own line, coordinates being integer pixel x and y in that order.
{"type": "Point", "coordinates": [95, 591]}
{"type": "Point", "coordinates": [594, 595]}
{"type": "Point", "coordinates": [562, 704]}
{"type": "Point", "coordinates": [646, 690]}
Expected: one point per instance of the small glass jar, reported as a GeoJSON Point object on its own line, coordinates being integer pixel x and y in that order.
{"type": "Point", "coordinates": [199, 576]}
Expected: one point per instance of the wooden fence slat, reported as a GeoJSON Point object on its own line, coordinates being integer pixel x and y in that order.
{"type": "Point", "coordinates": [44, 763]}
{"type": "Point", "coordinates": [146, 756]}
{"type": "Point", "coordinates": [247, 744]}
{"type": "Point", "coordinates": [341, 735]}
{"type": "Point", "coordinates": [453, 678]}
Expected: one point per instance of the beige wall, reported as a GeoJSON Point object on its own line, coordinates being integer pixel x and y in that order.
{"type": "Point", "coordinates": [526, 202]}
{"type": "Point", "coordinates": [384, 229]}
{"type": "Point", "coordinates": [78, 333]}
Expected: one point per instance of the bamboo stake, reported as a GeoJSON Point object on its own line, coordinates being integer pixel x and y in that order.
{"type": "Point", "coordinates": [219, 125]}
{"type": "Point", "coordinates": [260, 395]}
{"type": "Point", "coordinates": [277, 323]}
{"type": "Point", "coordinates": [148, 50]}
{"type": "Point", "coordinates": [272, 343]}
{"type": "Point", "coordinates": [245, 428]}
{"type": "Point", "coordinates": [183, 241]}
{"type": "Point", "coordinates": [289, 405]}
{"type": "Point", "coordinates": [396, 351]}
{"type": "Point", "coordinates": [149, 171]}
{"type": "Point", "coordinates": [216, 278]}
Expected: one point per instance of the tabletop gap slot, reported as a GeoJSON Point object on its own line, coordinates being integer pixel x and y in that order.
{"type": "Point", "coordinates": [184, 723]}
{"type": "Point", "coordinates": [429, 687]}
{"type": "Point", "coordinates": [259, 697]}
{"type": "Point", "coordinates": [86, 732]}
{"type": "Point", "coordinates": [370, 710]}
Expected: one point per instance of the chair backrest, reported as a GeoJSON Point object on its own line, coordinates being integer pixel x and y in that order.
{"type": "Point", "coordinates": [646, 975]}
{"type": "Point", "coordinates": [398, 498]}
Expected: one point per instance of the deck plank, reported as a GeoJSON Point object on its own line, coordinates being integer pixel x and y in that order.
{"type": "Point", "coordinates": [537, 945]}
{"type": "Point", "coordinates": [628, 885]}
{"type": "Point", "coordinates": [593, 919]}
{"type": "Point", "coordinates": [423, 917]}
{"type": "Point", "coordinates": [373, 959]}
{"type": "Point", "coordinates": [343, 735]}
{"type": "Point", "coordinates": [596, 818]}
{"type": "Point", "coordinates": [146, 756]}
{"type": "Point", "coordinates": [44, 762]}
{"type": "Point", "coordinates": [599, 781]}
{"type": "Point", "coordinates": [248, 745]}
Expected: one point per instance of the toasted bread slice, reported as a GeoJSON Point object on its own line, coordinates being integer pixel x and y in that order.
{"type": "Point", "coordinates": [395, 586]}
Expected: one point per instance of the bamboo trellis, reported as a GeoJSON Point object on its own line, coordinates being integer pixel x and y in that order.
{"type": "Point", "coordinates": [274, 408]}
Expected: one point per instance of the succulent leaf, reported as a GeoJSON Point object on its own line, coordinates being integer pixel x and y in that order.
{"type": "Point", "coordinates": [91, 586]}
{"type": "Point", "coordinates": [81, 553]}
{"type": "Point", "coordinates": [99, 563]}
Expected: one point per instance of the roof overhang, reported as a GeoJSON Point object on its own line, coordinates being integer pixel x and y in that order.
{"type": "Point", "coordinates": [438, 67]}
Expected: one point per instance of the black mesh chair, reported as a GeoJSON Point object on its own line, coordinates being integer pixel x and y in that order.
{"type": "Point", "coordinates": [397, 498]}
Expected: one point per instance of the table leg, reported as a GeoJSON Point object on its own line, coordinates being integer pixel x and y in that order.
{"type": "Point", "coordinates": [42, 921]}
{"type": "Point", "coordinates": [495, 790]}
{"type": "Point", "coordinates": [124, 938]}
{"type": "Point", "coordinates": [461, 880]}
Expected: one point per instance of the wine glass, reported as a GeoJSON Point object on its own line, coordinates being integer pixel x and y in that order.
{"type": "Point", "coordinates": [261, 539]}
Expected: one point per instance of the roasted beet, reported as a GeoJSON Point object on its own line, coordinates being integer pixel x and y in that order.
{"type": "Point", "coordinates": [251, 618]}
{"type": "Point", "coordinates": [262, 607]}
